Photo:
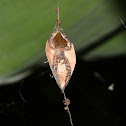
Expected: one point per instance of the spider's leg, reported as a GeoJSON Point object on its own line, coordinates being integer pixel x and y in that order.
{"type": "Point", "coordinates": [64, 35]}
{"type": "Point", "coordinates": [54, 68]}
{"type": "Point", "coordinates": [69, 48]}
{"type": "Point", "coordinates": [68, 68]}
{"type": "Point", "coordinates": [50, 37]}
{"type": "Point", "coordinates": [54, 29]}
{"type": "Point", "coordinates": [68, 41]}
{"type": "Point", "coordinates": [50, 42]}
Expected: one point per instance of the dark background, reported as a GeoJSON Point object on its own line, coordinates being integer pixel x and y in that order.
{"type": "Point", "coordinates": [37, 100]}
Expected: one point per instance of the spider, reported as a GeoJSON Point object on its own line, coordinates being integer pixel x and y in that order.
{"type": "Point", "coordinates": [61, 54]}
{"type": "Point", "coordinates": [60, 45]}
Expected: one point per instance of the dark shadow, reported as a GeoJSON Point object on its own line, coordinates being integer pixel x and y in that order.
{"type": "Point", "coordinates": [121, 5]}
{"type": "Point", "coordinates": [91, 101]}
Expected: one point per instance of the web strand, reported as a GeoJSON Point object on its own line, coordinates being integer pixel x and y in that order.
{"type": "Point", "coordinates": [58, 11]}
{"type": "Point", "coordinates": [123, 23]}
{"type": "Point", "coordinates": [68, 109]}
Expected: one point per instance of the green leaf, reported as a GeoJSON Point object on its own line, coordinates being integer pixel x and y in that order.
{"type": "Point", "coordinates": [26, 25]}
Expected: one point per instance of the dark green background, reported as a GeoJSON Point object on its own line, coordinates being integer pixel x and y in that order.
{"type": "Point", "coordinates": [26, 25]}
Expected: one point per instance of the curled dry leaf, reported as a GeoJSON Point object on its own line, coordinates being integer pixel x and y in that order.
{"type": "Point", "coordinates": [61, 56]}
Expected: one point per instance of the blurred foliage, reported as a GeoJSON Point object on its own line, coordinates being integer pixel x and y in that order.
{"type": "Point", "coordinates": [26, 25]}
